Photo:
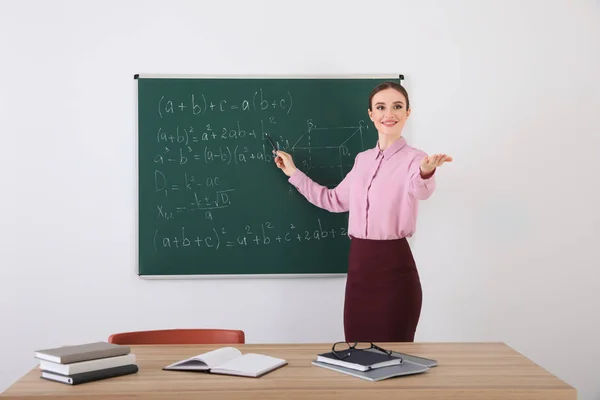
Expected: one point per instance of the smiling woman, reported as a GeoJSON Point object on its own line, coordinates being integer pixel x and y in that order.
{"type": "Point", "coordinates": [392, 97]}
{"type": "Point", "coordinates": [381, 192]}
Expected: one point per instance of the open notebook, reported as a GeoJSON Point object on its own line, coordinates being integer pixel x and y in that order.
{"type": "Point", "coordinates": [229, 361]}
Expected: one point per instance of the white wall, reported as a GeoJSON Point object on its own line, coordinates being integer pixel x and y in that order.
{"type": "Point", "coordinates": [506, 248]}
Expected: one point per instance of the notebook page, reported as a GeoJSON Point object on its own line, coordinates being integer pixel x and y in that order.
{"type": "Point", "coordinates": [250, 365]}
{"type": "Point", "coordinates": [219, 356]}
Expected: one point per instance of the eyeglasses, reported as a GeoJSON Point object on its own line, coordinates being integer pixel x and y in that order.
{"type": "Point", "coordinates": [342, 349]}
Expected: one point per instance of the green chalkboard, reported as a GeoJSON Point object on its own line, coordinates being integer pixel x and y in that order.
{"type": "Point", "coordinates": [211, 201]}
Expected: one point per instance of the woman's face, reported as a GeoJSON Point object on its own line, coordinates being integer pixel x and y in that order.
{"type": "Point", "coordinates": [388, 112]}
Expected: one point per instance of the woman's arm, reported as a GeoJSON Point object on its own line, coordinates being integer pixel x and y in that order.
{"type": "Point", "coordinates": [334, 200]}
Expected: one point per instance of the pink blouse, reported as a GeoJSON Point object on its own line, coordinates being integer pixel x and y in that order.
{"type": "Point", "coordinates": [381, 192]}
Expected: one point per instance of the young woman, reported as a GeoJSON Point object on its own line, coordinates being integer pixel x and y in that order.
{"type": "Point", "coordinates": [383, 291]}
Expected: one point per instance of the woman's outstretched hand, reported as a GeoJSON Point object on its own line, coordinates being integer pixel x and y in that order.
{"type": "Point", "coordinates": [284, 162]}
{"type": "Point", "coordinates": [430, 163]}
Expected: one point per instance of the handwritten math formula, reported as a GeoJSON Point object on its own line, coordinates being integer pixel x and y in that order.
{"type": "Point", "coordinates": [201, 104]}
{"type": "Point", "coordinates": [263, 234]}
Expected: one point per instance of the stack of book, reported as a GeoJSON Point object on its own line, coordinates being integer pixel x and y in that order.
{"type": "Point", "coordinates": [86, 362]}
{"type": "Point", "coordinates": [374, 365]}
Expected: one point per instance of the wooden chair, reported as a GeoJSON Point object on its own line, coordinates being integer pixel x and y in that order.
{"type": "Point", "coordinates": [179, 336]}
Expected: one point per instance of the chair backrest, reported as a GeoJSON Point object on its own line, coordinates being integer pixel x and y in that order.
{"type": "Point", "coordinates": [179, 336]}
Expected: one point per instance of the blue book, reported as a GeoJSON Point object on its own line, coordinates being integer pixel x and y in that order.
{"type": "Point", "coordinates": [359, 359]}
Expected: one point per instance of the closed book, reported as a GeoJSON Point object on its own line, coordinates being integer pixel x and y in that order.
{"type": "Point", "coordinates": [82, 352]}
{"type": "Point", "coordinates": [87, 366]}
{"type": "Point", "coordinates": [91, 376]}
{"type": "Point", "coordinates": [359, 359]}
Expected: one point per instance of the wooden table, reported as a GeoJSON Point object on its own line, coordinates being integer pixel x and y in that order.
{"type": "Point", "coordinates": [465, 371]}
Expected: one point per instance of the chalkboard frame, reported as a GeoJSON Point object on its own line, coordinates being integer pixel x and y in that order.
{"type": "Point", "coordinates": [382, 76]}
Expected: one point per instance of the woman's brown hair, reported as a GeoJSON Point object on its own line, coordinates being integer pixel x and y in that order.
{"type": "Point", "coordinates": [389, 85]}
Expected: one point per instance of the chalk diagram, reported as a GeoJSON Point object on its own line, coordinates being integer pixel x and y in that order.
{"type": "Point", "coordinates": [327, 153]}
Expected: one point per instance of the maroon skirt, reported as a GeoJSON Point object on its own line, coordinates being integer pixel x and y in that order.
{"type": "Point", "coordinates": [383, 292]}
